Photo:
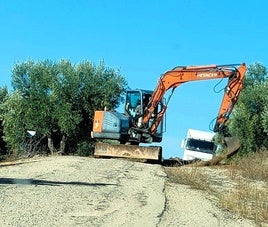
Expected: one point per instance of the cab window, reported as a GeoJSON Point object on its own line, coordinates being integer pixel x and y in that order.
{"type": "Point", "coordinates": [133, 103]}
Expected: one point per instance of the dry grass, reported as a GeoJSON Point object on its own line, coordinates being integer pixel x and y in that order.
{"type": "Point", "coordinates": [253, 167]}
{"type": "Point", "coordinates": [248, 201]}
{"type": "Point", "coordinates": [250, 198]}
{"type": "Point", "coordinates": [244, 191]}
{"type": "Point", "coordinates": [189, 176]}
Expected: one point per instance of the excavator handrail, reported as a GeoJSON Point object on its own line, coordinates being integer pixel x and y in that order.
{"type": "Point", "coordinates": [179, 75]}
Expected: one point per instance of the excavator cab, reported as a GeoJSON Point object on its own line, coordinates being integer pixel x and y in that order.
{"type": "Point", "coordinates": [136, 102]}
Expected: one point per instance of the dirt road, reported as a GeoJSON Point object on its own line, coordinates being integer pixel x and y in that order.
{"type": "Point", "coordinates": [77, 191]}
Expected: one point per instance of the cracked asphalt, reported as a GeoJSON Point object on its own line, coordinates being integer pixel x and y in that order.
{"type": "Point", "coordinates": [81, 191]}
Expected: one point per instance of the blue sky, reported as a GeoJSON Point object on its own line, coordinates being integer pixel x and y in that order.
{"type": "Point", "coordinates": [142, 39]}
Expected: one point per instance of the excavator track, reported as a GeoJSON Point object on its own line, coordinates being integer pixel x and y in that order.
{"type": "Point", "coordinates": [128, 151]}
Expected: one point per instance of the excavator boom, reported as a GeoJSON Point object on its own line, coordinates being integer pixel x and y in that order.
{"type": "Point", "coordinates": [174, 78]}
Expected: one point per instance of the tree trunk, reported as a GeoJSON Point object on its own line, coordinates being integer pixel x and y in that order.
{"type": "Point", "coordinates": [63, 143]}
{"type": "Point", "coordinates": [51, 146]}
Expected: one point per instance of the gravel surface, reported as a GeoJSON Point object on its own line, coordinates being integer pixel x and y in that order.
{"type": "Point", "coordinates": [78, 191]}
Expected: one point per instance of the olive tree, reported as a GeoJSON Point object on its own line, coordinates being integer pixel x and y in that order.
{"type": "Point", "coordinates": [3, 98]}
{"type": "Point", "coordinates": [249, 119]}
{"type": "Point", "coordinates": [57, 100]}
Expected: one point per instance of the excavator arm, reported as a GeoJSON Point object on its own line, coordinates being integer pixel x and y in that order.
{"type": "Point", "coordinates": [179, 75]}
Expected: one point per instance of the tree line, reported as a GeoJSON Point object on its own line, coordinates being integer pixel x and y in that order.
{"type": "Point", "coordinates": [57, 101]}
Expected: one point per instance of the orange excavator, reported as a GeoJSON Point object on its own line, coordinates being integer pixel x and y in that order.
{"type": "Point", "coordinates": [143, 117]}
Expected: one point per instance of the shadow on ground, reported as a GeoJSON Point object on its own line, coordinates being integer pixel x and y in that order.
{"type": "Point", "coordinates": [48, 183]}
